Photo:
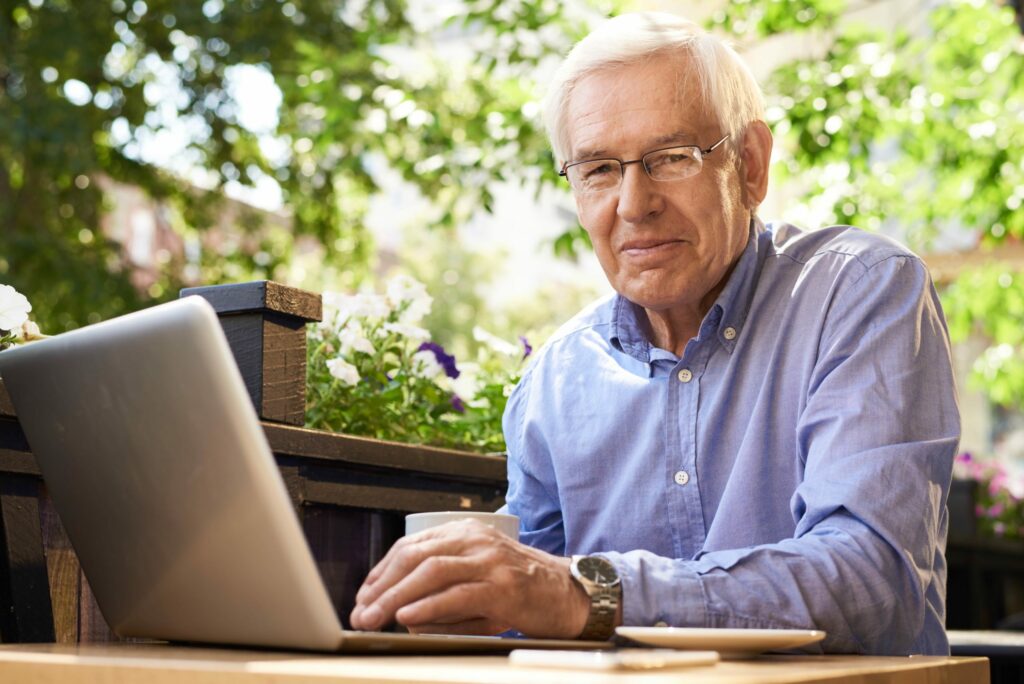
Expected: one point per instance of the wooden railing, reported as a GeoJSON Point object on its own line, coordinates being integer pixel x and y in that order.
{"type": "Point", "coordinates": [351, 493]}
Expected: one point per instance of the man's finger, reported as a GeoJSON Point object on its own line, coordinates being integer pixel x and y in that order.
{"type": "Point", "coordinates": [432, 575]}
{"type": "Point", "coordinates": [451, 539]}
{"type": "Point", "coordinates": [396, 548]}
{"type": "Point", "coordinates": [457, 603]}
{"type": "Point", "coordinates": [400, 561]}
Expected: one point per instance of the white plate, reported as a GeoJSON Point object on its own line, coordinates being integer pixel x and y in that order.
{"type": "Point", "coordinates": [731, 643]}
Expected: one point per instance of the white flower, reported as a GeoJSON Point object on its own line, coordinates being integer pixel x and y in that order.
{"type": "Point", "coordinates": [14, 308]}
{"type": "Point", "coordinates": [413, 332]}
{"type": "Point", "coordinates": [412, 294]}
{"type": "Point", "coordinates": [352, 337]}
{"type": "Point", "coordinates": [403, 288]}
{"type": "Point", "coordinates": [344, 371]}
{"type": "Point", "coordinates": [425, 365]}
{"type": "Point", "coordinates": [468, 382]}
{"type": "Point", "coordinates": [29, 331]}
{"type": "Point", "coordinates": [339, 308]}
{"type": "Point", "coordinates": [496, 343]}
{"type": "Point", "coordinates": [369, 305]}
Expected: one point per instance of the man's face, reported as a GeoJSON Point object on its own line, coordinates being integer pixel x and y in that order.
{"type": "Point", "coordinates": [662, 244]}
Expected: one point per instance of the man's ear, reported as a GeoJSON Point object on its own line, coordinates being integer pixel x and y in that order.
{"type": "Point", "coordinates": [755, 158]}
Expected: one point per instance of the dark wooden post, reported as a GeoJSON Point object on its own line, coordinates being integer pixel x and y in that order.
{"type": "Point", "coordinates": [265, 323]}
{"type": "Point", "coordinates": [26, 612]}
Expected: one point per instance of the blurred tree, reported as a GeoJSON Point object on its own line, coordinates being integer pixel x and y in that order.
{"type": "Point", "coordinates": [459, 280]}
{"type": "Point", "coordinates": [922, 129]}
{"type": "Point", "coordinates": [83, 86]}
{"type": "Point", "coordinates": [990, 301]}
{"type": "Point", "coordinates": [919, 131]}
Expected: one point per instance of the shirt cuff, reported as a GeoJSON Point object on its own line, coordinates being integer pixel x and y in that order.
{"type": "Point", "coordinates": [657, 589]}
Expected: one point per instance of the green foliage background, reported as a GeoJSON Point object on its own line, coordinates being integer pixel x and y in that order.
{"type": "Point", "coordinates": [919, 133]}
{"type": "Point", "coordinates": [453, 130]}
{"type": "Point", "coordinates": [915, 127]}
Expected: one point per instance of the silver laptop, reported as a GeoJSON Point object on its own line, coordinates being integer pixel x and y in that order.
{"type": "Point", "coordinates": [163, 478]}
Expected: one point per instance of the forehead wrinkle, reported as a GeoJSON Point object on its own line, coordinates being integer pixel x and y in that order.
{"type": "Point", "coordinates": [680, 137]}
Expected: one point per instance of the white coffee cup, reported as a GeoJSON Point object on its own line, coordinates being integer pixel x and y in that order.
{"type": "Point", "coordinates": [503, 522]}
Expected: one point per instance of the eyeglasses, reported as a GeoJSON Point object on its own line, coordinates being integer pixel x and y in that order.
{"type": "Point", "coordinates": [668, 164]}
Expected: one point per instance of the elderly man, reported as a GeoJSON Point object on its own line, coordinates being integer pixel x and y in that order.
{"type": "Point", "coordinates": [757, 430]}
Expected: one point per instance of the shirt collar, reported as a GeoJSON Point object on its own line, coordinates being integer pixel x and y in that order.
{"type": "Point", "coordinates": [729, 311]}
{"type": "Point", "coordinates": [628, 320]}
{"type": "Point", "coordinates": [735, 298]}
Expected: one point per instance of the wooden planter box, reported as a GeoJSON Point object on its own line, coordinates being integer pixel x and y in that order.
{"type": "Point", "coordinates": [351, 493]}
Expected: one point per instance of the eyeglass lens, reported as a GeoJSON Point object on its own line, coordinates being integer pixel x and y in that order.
{"type": "Point", "coordinates": [674, 163]}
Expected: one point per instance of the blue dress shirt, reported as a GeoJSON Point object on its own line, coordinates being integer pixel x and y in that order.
{"type": "Point", "coordinates": [790, 470]}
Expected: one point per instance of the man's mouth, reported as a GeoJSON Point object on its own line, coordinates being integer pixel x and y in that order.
{"type": "Point", "coordinates": [649, 248]}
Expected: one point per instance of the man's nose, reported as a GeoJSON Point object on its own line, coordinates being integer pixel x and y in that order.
{"type": "Point", "coordinates": [638, 196]}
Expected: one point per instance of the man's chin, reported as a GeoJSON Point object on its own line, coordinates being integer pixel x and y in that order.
{"type": "Point", "coordinates": [654, 297]}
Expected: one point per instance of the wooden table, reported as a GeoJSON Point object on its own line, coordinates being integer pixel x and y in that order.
{"type": "Point", "coordinates": [157, 664]}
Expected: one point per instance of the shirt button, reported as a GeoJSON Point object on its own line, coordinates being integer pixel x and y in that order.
{"type": "Point", "coordinates": [685, 375]}
{"type": "Point", "coordinates": [681, 477]}
{"type": "Point", "coordinates": [729, 333]}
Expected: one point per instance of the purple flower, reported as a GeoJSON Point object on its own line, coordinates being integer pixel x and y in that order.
{"type": "Point", "coordinates": [527, 349]}
{"type": "Point", "coordinates": [964, 457]}
{"type": "Point", "coordinates": [446, 360]}
{"type": "Point", "coordinates": [457, 404]}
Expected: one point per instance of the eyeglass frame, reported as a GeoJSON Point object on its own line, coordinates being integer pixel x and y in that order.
{"type": "Point", "coordinates": [564, 172]}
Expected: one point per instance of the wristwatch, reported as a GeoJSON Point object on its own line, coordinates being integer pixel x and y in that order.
{"type": "Point", "coordinates": [601, 582]}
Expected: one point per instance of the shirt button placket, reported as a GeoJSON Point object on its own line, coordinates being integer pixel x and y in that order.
{"type": "Point", "coordinates": [687, 499]}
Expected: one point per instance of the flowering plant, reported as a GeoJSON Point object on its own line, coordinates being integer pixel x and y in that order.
{"type": "Point", "coordinates": [999, 507]}
{"type": "Point", "coordinates": [15, 326]}
{"type": "Point", "coordinates": [374, 371]}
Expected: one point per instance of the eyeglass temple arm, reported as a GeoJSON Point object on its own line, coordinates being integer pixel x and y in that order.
{"type": "Point", "coordinates": [712, 148]}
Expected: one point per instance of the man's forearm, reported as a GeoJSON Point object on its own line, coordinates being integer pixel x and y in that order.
{"type": "Point", "coordinates": [841, 579]}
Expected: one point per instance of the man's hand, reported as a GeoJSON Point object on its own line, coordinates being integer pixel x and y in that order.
{"type": "Point", "coordinates": [467, 578]}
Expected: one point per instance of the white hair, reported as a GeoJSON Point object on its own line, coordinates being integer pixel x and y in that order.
{"type": "Point", "coordinates": [729, 91]}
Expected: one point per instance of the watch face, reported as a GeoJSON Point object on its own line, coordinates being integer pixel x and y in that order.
{"type": "Point", "coordinates": [597, 570]}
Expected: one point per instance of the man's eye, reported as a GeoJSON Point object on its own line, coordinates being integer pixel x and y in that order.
{"type": "Point", "coordinates": [669, 159]}
{"type": "Point", "coordinates": [597, 170]}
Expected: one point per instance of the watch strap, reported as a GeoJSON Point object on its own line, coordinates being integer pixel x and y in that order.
{"type": "Point", "coordinates": [604, 604]}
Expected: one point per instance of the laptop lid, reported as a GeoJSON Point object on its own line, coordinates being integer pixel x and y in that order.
{"type": "Point", "coordinates": [165, 483]}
